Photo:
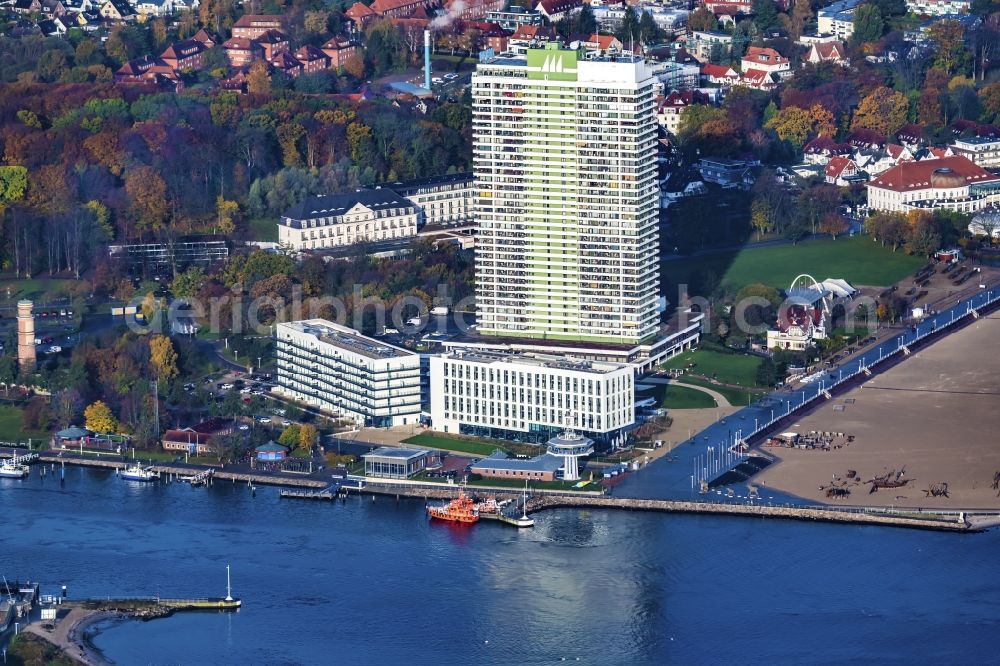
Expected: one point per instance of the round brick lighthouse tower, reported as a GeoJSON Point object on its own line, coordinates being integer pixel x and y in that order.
{"type": "Point", "coordinates": [25, 335]}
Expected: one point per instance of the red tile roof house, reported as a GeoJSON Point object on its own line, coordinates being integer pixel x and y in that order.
{"type": "Point", "coordinates": [197, 440]}
{"type": "Point", "coordinates": [242, 51]}
{"type": "Point", "coordinates": [839, 169]}
{"type": "Point", "coordinates": [757, 79]}
{"type": "Point", "coordinates": [952, 183]}
{"type": "Point", "coordinates": [827, 52]}
{"type": "Point", "coordinates": [288, 64]}
{"type": "Point", "coordinates": [148, 69]}
{"type": "Point", "coordinates": [764, 59]}
{"type": "Point", "coordinates": [359, 15]}
{"type": "Point", "coordinates": [184, 55]}
{"type": "Point", "coordinates": [720, 75]}
{"type": "Point", "coordinates": [253, 26]}
{"type": "Point", "coordinates": [313, 60]}
{"type": "Point", "coordinates": [272, 42]}
{"type": "Point", "coordinates": [596, 42]}
{"type": "Point", "coordinates": [554, 10]}
{"type": "Point", "coordinates": [821, 149]}
{"type": "Point", "coordinates": [398, 8]}
{"type": "Point", "coordinates": [339, 50]}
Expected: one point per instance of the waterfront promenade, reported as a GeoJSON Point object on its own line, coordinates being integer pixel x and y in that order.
{"type": "Point", "coordinates": [712, 452]}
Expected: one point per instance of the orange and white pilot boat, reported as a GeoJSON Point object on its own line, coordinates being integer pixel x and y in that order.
{"type": "Point", "coordinates": [459, 510]}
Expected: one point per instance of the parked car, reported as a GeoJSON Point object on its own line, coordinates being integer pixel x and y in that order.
{"type": "Point", "coordinates": [263, 419]}
{"type": "Point", "coordinates": [286, 422]}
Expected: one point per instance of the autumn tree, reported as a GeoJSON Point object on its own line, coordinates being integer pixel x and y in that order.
{"type": "Point", "coordinates": [259, 79]}
{"type": "Point", "coordinates": [147, 193]}
{"type": "Point", "coordinates": [290, 436]}
{"type": "Point", "coordinates": [307, 437]}
{"type": "Point", "coordinates": [833, 223]}
{"type": "Point", "coordinates": [760, 217]}
{"type": "Point", "coordinates": [228, 212]}
{"type": "Point", "coordinates": [796, 21]}
{"type": "Point", "coordinates": [883, 111]}
{"type": "Point", "coordinates": [989, 100]}
{"type": "Point", "coordinates": [702, 20]}
{"type": "Point", "coordinates": [99, 418]}
{"type": "Point", "coordinates": [188, 283]}
{"type": "Point", "coordinates": [888, 228]}
{"type": "Point", "coordinates": [163, 357]}
{"type": "Point", "coordinates": [13, 185]}
{"type": "Point", "coordinates": [948, 35]}
{"type": "Point", "coordinates": [288, 135]}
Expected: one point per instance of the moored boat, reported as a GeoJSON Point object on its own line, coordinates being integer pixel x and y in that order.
{"type": "Point", "coordinates": [139, 473]}
{"type": "Point", "coordinates": [12, 470]}
{"type": "Point", "coordinates": [459, 510]}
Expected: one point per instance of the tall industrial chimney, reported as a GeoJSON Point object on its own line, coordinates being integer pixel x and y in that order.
{"type": "Point", "coordinates": [427, 59]}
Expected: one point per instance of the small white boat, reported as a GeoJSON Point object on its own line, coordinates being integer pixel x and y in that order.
{"type": "Point", "coordinates": [139, 473]}
{"type": "Point", "coordinates": [12, 470]}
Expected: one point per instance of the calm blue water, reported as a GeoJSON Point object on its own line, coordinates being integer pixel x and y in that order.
{"type": "Point", "coordinates": [375, 583]}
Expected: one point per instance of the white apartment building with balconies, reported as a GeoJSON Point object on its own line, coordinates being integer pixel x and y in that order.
{"type": "Point", "coordinates": [531, 397]}
{"type": "Point", "coordinates": [343, 373]}
{"type": "Point", "coordinates": [567, 200]}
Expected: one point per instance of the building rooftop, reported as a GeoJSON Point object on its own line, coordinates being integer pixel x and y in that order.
{"type": "Point", "coordinates": [272, 446]}
{"type": "Point", "coordinates": [543, 463]}
{"type": "Point", "coordinates": [332, 205]}
{"type": "Point", "coordinates": [346, 338]}
{"type": "Point", "coordinates": [539, 360]}
{"type": "Point", "coordinates": [414, 186]}
{"type": "Point", "coordinates": [391, 452]}
{"type": "Point", "coordinates": [946, 172]}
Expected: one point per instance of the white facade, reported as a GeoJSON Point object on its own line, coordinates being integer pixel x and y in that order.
{"type": "Point", "coordinates": [344, 373]}
{"type": "Point", "coordinates": [837, 19]}
{"type": "Point", "coordinates": [564, 156]}
{"type": "Point", "coordinates": [345, 219]}
{"type": "Point", "coordinates": [448, 200]}
{"type": "Point", "coordinates": [531, 396]}
{"type": "Point", "coordinates": [938, 7]}
{"type": "Point", "coordinates": [984, 151]}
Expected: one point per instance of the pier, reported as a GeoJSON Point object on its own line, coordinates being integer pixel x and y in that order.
{"type": "Point", "coordinates": [325, 494]}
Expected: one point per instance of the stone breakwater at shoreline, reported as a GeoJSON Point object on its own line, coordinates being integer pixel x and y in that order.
{"type": "Point", "coordinates": [952, 521]}
{"type": "Point", "coordinates": [962, 522]}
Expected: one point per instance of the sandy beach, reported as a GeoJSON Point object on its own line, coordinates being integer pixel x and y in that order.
{"type": "Point", "coordinates": [936, 413]}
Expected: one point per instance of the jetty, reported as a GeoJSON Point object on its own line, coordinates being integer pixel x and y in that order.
{"type": "Point", "coordinates": [328, 493]}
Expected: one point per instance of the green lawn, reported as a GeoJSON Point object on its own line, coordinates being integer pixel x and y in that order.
{"type": "Point", "coordinates": [737, 369]}
{"type": "Point", "coordinates": [858, 260]}
{"type": "Point", "coordinates": [38, 289]}
{"type": "Point", "coordinates": [263, 229]}
{"type": "Point", "coordinates": [679, 397]}
{"type": "Point", "coordinates": [11, 430]}
{"type": "Point", "coordinates": [736, 397]}
{"type": "Point", "coordinates": [475, 447]}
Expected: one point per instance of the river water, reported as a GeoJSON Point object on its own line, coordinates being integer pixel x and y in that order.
{"type": "Point", "coordinates": [365, 582]}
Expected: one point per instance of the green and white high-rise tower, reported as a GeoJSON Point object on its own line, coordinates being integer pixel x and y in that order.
{"type": "Point", "coordinates": [567, 199]}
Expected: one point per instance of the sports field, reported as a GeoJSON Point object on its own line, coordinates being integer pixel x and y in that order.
{"type": "Point", "coordinates": [858, 260]}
